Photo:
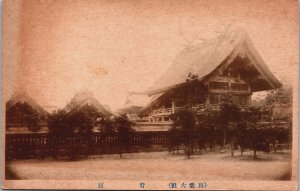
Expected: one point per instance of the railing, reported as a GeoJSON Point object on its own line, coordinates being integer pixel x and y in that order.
{"type": "Point", "coordinates": [154, 123]}
{"type": "Point", "coordinates": [168, 111]}
{"type": "Point", "coordinates": [23, 124]}
{"type": "Point", "coordinates": [215, 107]}
{"type": "Point", "coordinates": [40, 145]}
{"type": "Point", "coordinates": [199, 108]}
{"type": "Point", "coordinates": [161, 111]}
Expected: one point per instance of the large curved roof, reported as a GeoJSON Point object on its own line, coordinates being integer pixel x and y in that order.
{"type": "Point", "coordinates": [204, 58]}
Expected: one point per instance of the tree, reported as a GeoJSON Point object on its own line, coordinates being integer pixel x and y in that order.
{"type": "Point", "coordinates": [32, 120]}
{"type": "Point", "coordinates": [277, 104]}
{"type": "Point", "coordinates": [229, 117]}
{"type": "Point", "coordinates": [58, 125]}
{"type": "Point", "coordinates": [241, 133]}
{"type": "Point", "coordinates": [186, 120]}
{"type": "Point", "coordinates": [206, 131]}
{"type": "Point", "coordinates": [82, 122]}
{"type": "Point", "coordinates": [125, 132]}
{"type": "Point", "coordinates": [282, 95]}
{"type": "Point", "coordinates": [190, 93]}
{"type": "Point", "coordinates": [175, 139]}
{"type": "Point", "coordinates": [252, 115]}
{"type": "Point", "coordinates": [86, 118]}
{"type": "Point", "coordinates": [72, 132]}
{"type": "Point", "coordinates": [202, 136]}
{"type": "Point", "coordinates": [106, 125]}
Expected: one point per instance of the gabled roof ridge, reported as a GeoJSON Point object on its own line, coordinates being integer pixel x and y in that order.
{"type": "Point", "coordinates": [214, 40]}
{"type": "Point", "coordinates": [79, 103]}
{"type": "Point", "coordinates": [24, 97]}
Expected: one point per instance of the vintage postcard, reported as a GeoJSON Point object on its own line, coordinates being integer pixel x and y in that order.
{"type": "Point", "coordinates": [150, 94]}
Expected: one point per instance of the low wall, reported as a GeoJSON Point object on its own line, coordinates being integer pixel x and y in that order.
{"type": "Point", "coordinates": [40, 145]}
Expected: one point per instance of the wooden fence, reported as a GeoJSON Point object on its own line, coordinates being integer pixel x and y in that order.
{"type": "Point", "coordinates": [40, 145]}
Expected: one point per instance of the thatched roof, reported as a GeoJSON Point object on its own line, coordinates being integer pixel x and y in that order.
{"type": "Point", "coordinates": [25, 98]}
{"type": "Point", "coordinates": [204, 58]}
{"type": "Point", "coordinates": [84, 98]}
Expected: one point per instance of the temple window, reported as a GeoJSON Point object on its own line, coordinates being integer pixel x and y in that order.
{"type": "Point", "coordinates": [239, 87]}
{"type": "Point", "coordinates": [218, 85]}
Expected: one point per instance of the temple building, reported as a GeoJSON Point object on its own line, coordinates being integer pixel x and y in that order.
{"type": "Point", "coordinates": [226, 65]}
{"type": "Point", "coordinates": [85, 100]}
{"type": "Point", "coordinates": [86, 103]}
{"type": "Point", "coordinates": [24, 115]}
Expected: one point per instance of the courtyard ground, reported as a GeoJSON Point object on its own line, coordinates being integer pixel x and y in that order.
{"type": "Point", "coordinates": [158, 166]}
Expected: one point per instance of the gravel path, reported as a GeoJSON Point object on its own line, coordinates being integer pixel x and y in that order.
{"type": "Point", "coordinates": [158, 166]}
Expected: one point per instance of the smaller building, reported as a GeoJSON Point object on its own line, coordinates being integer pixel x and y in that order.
{"type": "Point", "coordinates": [85, 101]}
{"type": "Point", "coordinates": [24, 115]}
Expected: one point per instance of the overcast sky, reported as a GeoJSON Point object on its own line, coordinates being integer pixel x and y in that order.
{"type": "Point", "coordinates": [53, 49]}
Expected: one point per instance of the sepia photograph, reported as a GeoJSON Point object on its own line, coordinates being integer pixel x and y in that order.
{"type": "Point", "coordinates": [150, 94]}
